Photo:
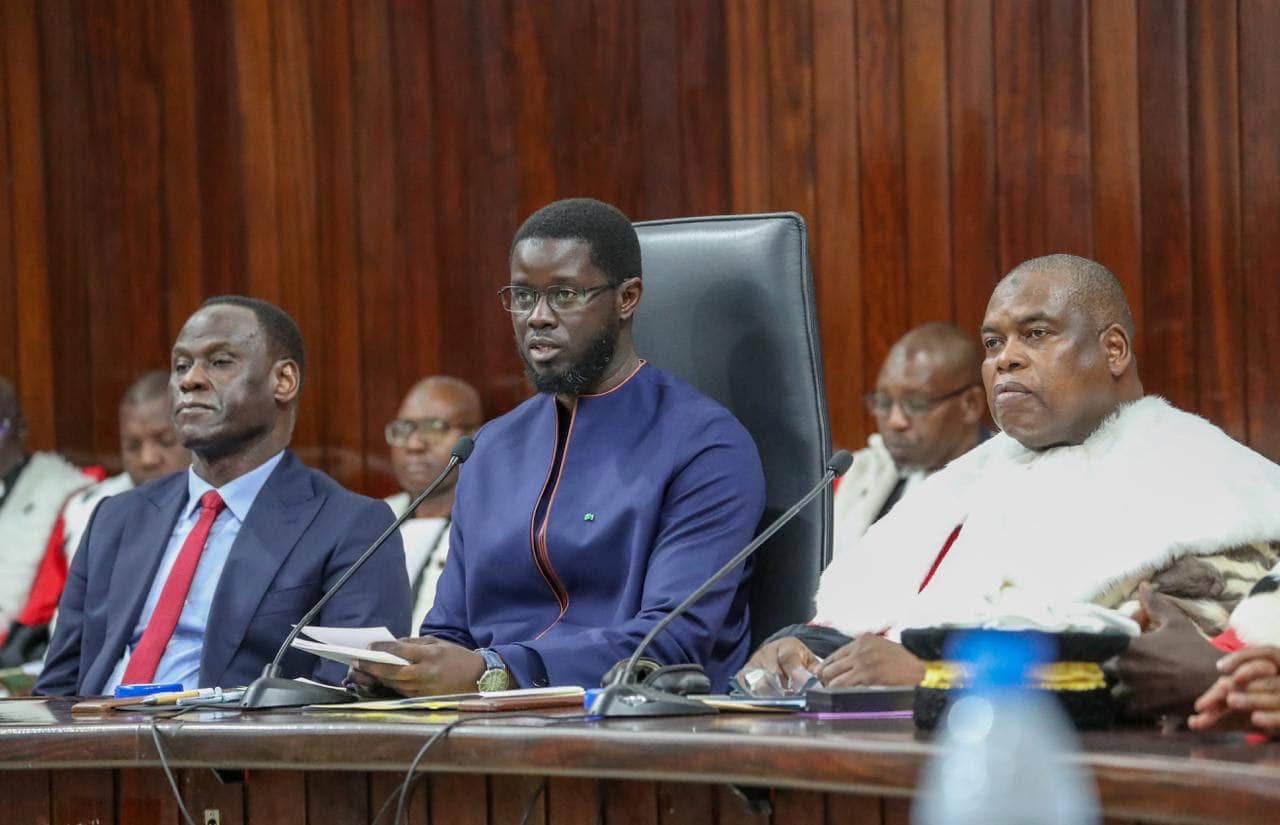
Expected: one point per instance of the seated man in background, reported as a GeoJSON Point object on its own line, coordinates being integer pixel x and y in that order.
{"type": "Point", "coordinates": [592, 509]}
{"type": "Point", "coordinates": [219, 562]}
{"type": "Point", "coordinates": [149, 449]}
{"type": "Point", "coordinates": [929, 407]}
{"type": "Point", "coordinates": [435, 413]}
{"type": "Point", "coordinates": [33, 489]}
{"type": "Point", "coordinates": [1091, 488]}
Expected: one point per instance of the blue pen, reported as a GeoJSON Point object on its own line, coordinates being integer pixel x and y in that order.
{"type": "Point", "coordinates": [130, 691]}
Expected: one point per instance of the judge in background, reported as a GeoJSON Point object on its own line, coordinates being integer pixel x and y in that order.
{"type": "Point", "coordinates": [435, 413]}
{"type": "Point", "coordinates": [929, 406]}
{"type": "Point", "coordinates": [149, 449]}
{"type": "Point", "coordinates": [33, 489]}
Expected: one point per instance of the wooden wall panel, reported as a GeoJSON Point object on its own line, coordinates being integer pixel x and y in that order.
{"type": "Point", "coordinates": [1260, 211]}
{"type": "Point", "coordinates": [975, 258]}
{"type": "Point", "coordinates": [1115, 148]}
{"type": "Point", "coordinates": [1020, 196]}
{"type": "Point", "coordinates": [365, 165]}
{"type": "Point", "coordinates": [1217, 278]}
{"type": "Point", "coordinates": [1166, 199]}
{"type": "Point", "coordinates": [881, 175]}
{"type": "Point", "coordinates": [836, 239]}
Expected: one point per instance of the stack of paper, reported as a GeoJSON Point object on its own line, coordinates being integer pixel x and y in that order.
{"type": "Point", "coordinates": [347, 644]}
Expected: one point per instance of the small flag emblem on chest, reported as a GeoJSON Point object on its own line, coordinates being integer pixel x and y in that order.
{"type": "Point", "coordinates": [589, 517]}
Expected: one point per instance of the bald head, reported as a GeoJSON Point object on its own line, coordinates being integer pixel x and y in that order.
{"type": "Point", "coordinates": [435, 413]}
{"type": "Point", "coordinates": [952, 352]}
{"type": "Point", "coordinates": [1088, 285]}
{"type": "Point", "coordinates": [1057, 339]}
{"type": "Point", "coordinates": [928, 398]}
{"type": "Point", "coordinates": [458, 394]}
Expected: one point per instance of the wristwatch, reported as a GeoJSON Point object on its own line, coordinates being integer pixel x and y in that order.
{"type": "Point", "coordinates": [495, 676]}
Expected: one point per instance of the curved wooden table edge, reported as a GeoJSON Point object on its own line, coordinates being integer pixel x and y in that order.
{"type": "Point", "coordinates": [1144, 785]}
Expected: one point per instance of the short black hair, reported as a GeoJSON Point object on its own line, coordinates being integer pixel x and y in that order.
{"type": "Point", "coordinates": [281, 330]}
{"type": "Point", "coordinates": [614, 245]}
{"type": "Point", "coordinates": [147, 387]}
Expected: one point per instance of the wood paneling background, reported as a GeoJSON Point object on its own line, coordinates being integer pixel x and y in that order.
{"type": "Point", "coordinates": [365, 162]}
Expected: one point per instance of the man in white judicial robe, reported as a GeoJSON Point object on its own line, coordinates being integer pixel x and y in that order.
{"type": "Point", "coordinates": [33, 488]}
{"type": "Point", "coordinates": [1091, 488]}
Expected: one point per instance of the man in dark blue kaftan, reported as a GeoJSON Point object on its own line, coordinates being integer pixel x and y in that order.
{"type": "Point", "coordinates": [592, 509]}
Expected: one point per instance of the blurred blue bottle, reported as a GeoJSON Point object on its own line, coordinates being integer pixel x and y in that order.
{"type": "Point", "coordinates": [1005, 748]}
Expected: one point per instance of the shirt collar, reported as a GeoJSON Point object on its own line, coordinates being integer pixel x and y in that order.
{"type": "Point", "coordinates": [238, 494]}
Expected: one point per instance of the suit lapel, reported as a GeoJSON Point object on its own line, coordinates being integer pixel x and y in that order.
{"type": "Point", "coordinates": [146, 535]}
{"type": "Point", "coordinates": [279, 516]}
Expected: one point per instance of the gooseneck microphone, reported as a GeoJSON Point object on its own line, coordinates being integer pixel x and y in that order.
{"type": "Point", "coordinates": [270, 690]}
{"type": "Point", "coordinates": [626, 698]}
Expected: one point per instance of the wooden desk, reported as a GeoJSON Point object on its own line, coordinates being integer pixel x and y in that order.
{"type": "Point", "coordinates": [337, 768]}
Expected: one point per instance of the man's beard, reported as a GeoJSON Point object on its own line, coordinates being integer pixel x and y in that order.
{"type": "Point", "coordinates": [583, 374]}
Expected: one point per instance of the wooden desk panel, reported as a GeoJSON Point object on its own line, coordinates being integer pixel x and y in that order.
{"type": "Point", "coordinates": [319, 767]}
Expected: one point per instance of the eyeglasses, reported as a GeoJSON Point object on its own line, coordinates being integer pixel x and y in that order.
{"type": "Point", "coordinates": [522, 299]}
{"type": "Point", "coordinates": [434, 432]}
{"type": "Point", "coordinates": [881, 404]}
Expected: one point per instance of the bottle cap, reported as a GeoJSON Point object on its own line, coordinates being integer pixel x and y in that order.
{"type": "Point", "coordinates": [999, 659]}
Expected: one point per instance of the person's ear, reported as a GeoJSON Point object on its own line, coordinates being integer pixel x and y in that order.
{"type": "Point", "coordinates": [973, 404]}
{"type": "Point", "coordinates": [286, 380]}
{"type": "Point", "coordinates": [629, 292]}
{"type": "Point", "coordinates": [1118, 349]}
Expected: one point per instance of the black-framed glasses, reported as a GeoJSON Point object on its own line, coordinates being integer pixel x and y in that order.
{"type": "Point", "coordinates": [522, 299]}
{"type": "Point", "coordinates": [434, 432]}
{"type": "Point", "coordinates": [913, 406]}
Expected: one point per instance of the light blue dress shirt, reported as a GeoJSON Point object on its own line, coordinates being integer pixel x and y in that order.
{"type": "Point", "coordinates": [181, 659]}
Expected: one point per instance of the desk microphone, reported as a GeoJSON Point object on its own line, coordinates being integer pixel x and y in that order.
{"type": "Point", "coordinates": [270, 690]}
{"type": "Point", "coordinates": [625, 698]}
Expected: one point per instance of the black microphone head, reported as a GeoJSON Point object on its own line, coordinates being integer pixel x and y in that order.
{"type": "Point", "coordinates": [462, 450]}
{"type": "Point", "coordinates": [840, 463]}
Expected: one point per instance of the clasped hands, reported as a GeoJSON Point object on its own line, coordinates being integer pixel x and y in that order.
{"type": "Point", "coordinates": [867, 660]}
{"type": "Point", "coordinates": [435, 667]}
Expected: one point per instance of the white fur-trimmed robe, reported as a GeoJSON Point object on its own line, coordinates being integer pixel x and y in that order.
{"type": "Point", "coordinates": [26, 519]}
{"type": "Point", "coordinates": [1068, 524]}
{"type": "Point", "coordinates": [863, 492]}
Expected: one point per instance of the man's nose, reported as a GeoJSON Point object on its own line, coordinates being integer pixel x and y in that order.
{"type": "Point", "coordinates": [193, 379]}
{"type": "Point", "coordinates": [897, 419]}
{"type": "Point", "coordinates": [541, 316]}
{"type": "Point", "coordinates": [149, 455]}
{"type": "Point", "coordinates": [1009, 356]}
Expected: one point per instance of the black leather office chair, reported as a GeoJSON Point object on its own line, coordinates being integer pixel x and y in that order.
{"type": "Point", "coordinates": [728, 306]}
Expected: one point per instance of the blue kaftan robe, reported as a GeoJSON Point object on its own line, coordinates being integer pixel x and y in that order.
{"type": "Point", "coordinates": [562, 573]}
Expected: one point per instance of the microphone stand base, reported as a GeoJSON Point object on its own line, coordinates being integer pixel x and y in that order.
{"type": "Point", "coordinates": [640, 700]}
{"type": "Point", "coordinates": [274, 692]}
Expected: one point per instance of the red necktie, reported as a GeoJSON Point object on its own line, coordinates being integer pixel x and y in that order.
{"type": "Point", "coordinates": [146, 656]}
